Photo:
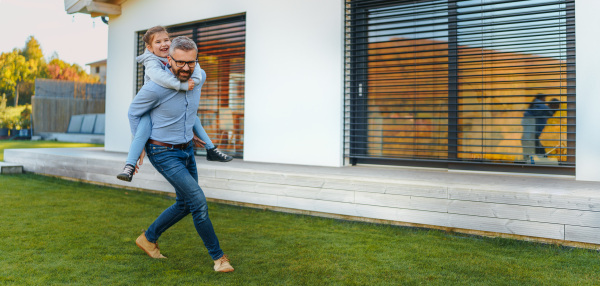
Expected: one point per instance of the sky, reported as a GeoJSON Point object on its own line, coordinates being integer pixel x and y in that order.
{"type": "Point", "coordinates": [77, 38]}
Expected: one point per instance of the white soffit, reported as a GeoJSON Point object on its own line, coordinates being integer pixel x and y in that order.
{"type": "Point", "coordinates": [94, 7]}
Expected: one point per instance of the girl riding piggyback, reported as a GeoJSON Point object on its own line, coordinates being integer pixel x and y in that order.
{"type": "Point", "coordinates": [155, 62]}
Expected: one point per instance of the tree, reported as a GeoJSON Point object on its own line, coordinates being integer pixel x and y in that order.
{"type": "Point", "coordinates": [59, 69]}
{"type": "Point", "coordinates": [20, 68]}
{"type": "Point", "coordinates": [35, 59]}
{"type": "Point", "coordinates": [32, 50]}
{"type": "Point", "coordinates": [13, 69]}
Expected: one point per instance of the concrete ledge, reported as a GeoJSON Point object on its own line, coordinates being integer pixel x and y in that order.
{"type": "Point", "coordinates": [534, 207]}
{"type": "Point", "coordinates": [73, 137]}
{"type": "Point", "coordinates": [10, 168]}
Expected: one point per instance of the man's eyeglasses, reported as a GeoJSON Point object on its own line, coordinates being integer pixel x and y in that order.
{"type": "Point", "coordinates": [181, 64]}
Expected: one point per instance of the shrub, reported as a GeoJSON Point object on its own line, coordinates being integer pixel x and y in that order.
{"type": "Point", "coordinates": [25, 118]}
{"type": "Point", "coordinates": [3, 122]}
{"type": "Point", "coordinates": [17, 116]}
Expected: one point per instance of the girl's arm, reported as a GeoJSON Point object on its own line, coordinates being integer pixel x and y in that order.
{"type": "Point", "coordinates": [155, 70]}
{"type": "Point", "coordinates": [196, 75]}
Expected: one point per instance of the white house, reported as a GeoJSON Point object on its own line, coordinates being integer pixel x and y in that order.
{"type": "Point", "coordinates": [300, 91]}
{"type": "Point", "coordinates": [302, 68]}
{"type": "Point", "coordinates": [98, 68]}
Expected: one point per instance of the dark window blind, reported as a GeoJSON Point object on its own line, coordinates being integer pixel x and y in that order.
{"type": "Point", "coordinates": [221, 53]}
{"type": "Point", "coordinates": [474, 81]}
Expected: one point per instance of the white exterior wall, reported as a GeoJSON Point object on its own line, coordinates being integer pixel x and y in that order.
{"type": "Point", "coordinates": [588, 90]}
{"type": "Point", "coordinates": [101, 73]}
{"type": "Point", "coordinates": [294, 77]}
{"type": "Point", "coordinates": [294, 74]}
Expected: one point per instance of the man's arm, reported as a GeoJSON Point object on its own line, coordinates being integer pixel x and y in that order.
{"type": "Point", "coordinates": [144, 101]}
{"type": "Point", "coordinates": [156, 72]}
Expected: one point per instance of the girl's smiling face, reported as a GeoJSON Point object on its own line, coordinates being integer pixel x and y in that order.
{"type": "Point", "coordinates": [160, 44]}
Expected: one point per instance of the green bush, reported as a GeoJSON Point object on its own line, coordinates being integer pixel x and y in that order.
{"type": "Point", "coordinates": [17, 116]}
{"type": "Point", "coordinates": [25, 118]}
{"type": "Point", "coordinates": [3, 122]}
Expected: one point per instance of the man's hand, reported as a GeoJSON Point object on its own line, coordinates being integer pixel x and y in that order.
{"type": "Point", "coordinates": [198, 142]}
{"type": "Point", "coordinates": [140, 160]}
{"type": "Point", "coordinates": [190, 84]}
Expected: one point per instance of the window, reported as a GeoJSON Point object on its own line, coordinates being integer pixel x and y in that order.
{"type": "Point", "coordinates": [221, 53]}
{"type": "Point", "coordinates": [448, 82]}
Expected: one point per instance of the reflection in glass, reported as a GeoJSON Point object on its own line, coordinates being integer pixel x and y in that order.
{"type": "Point", "coordinates": [507, 56]}
{"type": "Point", "coordinates": [455, 80]}
{"type": "Point", "coordinates": [408, 81]}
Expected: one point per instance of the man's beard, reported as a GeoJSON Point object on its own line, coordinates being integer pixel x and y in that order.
{"type": "Point", "coordinates": [183, 76]}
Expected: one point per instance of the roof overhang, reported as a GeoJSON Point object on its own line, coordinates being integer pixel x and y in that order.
{"type": "Point", "coordinates": [94, 7]}
{"type": "Point", "coordinates": [97, 63]}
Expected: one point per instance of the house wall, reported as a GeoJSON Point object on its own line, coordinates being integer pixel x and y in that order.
{"type": "Point", "coordinates": [294, 74]}
{"type": "Point", "coordinates": [101, 73]}
{"type": "Point", "coordinates": [588, 90]}
{"type": "Point", "coordinates": [294, 77]}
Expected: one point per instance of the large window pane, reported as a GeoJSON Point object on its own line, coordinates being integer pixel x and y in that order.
{"type": "Point", "coordinates": [471, 81]}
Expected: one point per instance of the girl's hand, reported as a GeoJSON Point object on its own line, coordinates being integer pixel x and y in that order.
{"type": "Point", "coordinates": [140, 160]}
{"type": "Point", "coordinates": [190, 84]}
{"type": "Point", "coordinates": [198, 142]}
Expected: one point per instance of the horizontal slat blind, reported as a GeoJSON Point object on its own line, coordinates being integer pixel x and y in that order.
{"type": "Point", "coordinates": [456, 81]}
{"type": "Point", "coordinates": [221, 53]}
{"type": "Point", "coordinates": [141, 46]}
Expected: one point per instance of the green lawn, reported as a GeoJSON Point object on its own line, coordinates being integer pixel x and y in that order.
{"type": "Point", "coordinates": [54, 231]}
{"type": "Point", "coordinates": [19, 144]}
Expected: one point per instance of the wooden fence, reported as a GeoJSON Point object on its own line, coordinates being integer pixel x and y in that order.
{"type": "Point", "coordinates": [55, 101]}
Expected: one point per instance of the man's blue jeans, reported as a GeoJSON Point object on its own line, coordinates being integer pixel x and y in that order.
{"type": "Point", "coordinates": [179, 168]}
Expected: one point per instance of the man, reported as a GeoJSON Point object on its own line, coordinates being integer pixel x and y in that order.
{"type": "Point", "coordinates": [534, 121]}
{"type": "Point", "coordinates": [170, 151]}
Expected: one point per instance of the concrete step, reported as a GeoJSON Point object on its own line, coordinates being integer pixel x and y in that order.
{"type": "Point", "coordinates": [548, 207]}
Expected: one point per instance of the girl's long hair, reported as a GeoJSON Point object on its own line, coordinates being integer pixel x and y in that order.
{"type": "Point", "coordinates": [149, 35]}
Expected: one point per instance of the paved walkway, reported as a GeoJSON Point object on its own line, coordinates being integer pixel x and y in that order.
{"type": "Point", "coordinates": [556, 184]}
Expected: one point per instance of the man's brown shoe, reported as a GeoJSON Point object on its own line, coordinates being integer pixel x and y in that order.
{"type": "Point", "coordinates": [150, 248]}
{"type": "Point", "coordinates": [222, 264]}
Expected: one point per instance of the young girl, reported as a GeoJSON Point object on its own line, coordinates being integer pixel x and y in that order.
{"type": "Point", "coordinates": [154, 59]}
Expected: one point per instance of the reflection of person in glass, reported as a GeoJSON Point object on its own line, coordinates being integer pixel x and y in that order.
{"type": "Point", "coordinates": [534, 120]}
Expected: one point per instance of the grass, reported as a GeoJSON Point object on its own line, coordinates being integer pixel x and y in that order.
{"type": "Point", "coordinates": [20, 144]}
{"type": "Point", "coordinates": [54, 231]}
